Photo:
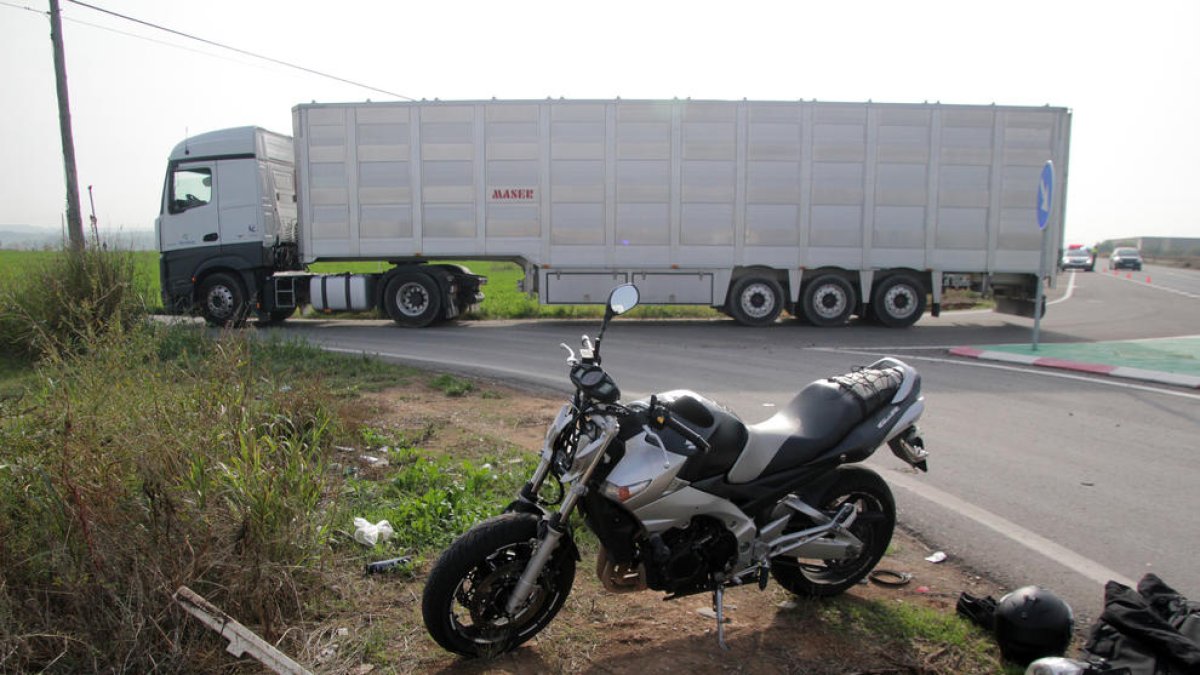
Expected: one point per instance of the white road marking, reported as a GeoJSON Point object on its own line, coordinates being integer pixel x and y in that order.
{"type": "Point", "coordinates": [1159, 287]}
{"type": "Point", "coordinates": [1165, 339]}
{"type": "Point", "coordinates": [1035, 542]}
{"type": "Point", "coordinates": [1070, 291]}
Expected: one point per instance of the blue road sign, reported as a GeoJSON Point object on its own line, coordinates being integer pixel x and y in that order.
{"type": "Point", "coordinates": [1045, 194]}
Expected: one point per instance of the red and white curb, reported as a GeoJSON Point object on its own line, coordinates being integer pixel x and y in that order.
{"type": "Point", "coordinates": [1160, 377]}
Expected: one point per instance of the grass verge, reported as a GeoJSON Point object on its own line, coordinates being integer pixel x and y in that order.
{"type": "Point", "coordinates": [157, 457]}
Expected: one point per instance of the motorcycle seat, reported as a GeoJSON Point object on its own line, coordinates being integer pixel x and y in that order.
{"type": "Point", "coordinates": [814, 421]}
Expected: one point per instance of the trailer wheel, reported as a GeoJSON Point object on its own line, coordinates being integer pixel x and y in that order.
{"type": "Point", "coordinates": [413, 299]}
{"type": "Point", "coordinates": [222, 300]}
{"type": "Point", "coordinates": [829, 300]}
{"type": "Point", "coordinates": [755, 301]}
{"type": "Point", "coordinates": [899, 301]}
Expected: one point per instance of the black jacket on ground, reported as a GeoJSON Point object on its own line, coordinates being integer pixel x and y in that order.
{"type": "Point", "coordinates": [1151, 631]}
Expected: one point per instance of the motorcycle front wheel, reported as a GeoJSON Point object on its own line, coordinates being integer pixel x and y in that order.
{"type": "Point", "coordinates": [873, 526]}
{"type": "Point", "coordinates": [469, 586]}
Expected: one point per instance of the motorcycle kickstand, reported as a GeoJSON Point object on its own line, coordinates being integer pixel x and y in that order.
{"type": "Point", "coordinates": [719, 610]}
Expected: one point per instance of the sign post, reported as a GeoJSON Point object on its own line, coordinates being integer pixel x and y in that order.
{"type": "Point", "coordinates": [1045, 198]}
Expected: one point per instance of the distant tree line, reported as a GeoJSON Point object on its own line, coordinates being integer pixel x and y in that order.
{"type": "Point", "coordinates": [1163, 247]}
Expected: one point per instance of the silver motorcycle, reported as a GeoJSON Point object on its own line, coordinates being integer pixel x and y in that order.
{"type": "Point", "coordinates": [684, 499]}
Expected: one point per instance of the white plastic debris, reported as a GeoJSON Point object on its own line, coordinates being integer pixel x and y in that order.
{"type": "Point", "coordinates": [368, 534]}
{"type": "Point", "coordinates": [1057, 665]}
{"type": "Point", "coordinates": [938, 557]}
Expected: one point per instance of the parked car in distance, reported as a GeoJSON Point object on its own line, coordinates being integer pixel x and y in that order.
{"type": "Point", "coordinates": [1077, 258]}
{"type": "Point", "coordinates": [1127, 258]}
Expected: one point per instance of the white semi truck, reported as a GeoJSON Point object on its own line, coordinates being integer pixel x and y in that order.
{"type": "Point", "coordinates": [826, 210]}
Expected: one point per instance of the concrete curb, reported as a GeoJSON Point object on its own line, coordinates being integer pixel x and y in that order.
{"type": "Point", "coordinates": [1190, 381]}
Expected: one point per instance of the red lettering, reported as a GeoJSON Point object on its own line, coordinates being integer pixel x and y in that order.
{"type": "Point", "coordinates": [509, 193]}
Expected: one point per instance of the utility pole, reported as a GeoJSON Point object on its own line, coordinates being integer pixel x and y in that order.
{"type": "Point", "coordinates": [74, 219]}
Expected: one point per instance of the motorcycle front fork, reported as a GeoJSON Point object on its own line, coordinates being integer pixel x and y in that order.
{"type": "Point", "coordinates": [556, 525]}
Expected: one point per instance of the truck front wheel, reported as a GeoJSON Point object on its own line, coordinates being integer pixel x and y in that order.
{"type": "Point", "coordinates": [412, 299]}
{"type": "Point", "coordinates": [222, 300]}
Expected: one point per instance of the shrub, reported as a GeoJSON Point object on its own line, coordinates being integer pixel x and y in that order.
{"type": "Point", "coordinates": [157, 460]}
{"type": "Point", "coordinates": [61, 303]}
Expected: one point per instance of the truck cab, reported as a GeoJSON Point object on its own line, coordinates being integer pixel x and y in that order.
{"type": "Point", "coordinates": [226, 222]}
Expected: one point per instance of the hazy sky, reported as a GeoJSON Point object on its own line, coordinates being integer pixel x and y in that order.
{"type": "Point", "coordinates": [1129, 71]}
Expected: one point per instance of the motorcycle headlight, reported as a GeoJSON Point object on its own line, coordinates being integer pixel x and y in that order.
{"type": "Point", "coordinates": [577, 450]}
{"type": "Point", "coordinates": [584, 449]}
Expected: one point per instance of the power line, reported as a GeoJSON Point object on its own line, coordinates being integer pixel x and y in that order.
{"type": "Point", "coordinates": [27, 9]}
{"type": "Point", "coordinates": [165, 43]}
{"type": "Point", "coordinates": [110, 29]}
{"type": "Point", "coordinates": [235, 49]}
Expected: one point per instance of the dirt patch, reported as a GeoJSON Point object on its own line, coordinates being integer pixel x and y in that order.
{"type": "Point", "coordinates": [768, 631]}
{"type": "Point", "coordinates": [487, 419]}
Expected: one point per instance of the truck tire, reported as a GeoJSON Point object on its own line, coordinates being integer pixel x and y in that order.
{"type": "Point", "coordinates": [829, 300]}
{"type": "Point", "coordinates": [899, 301]}
{"type": "Point", "coordinates": [755, 301]}
{"type": "Point", "coordinates": [413, 299]}
{"type": "Point", "coordinates": [222, 300]}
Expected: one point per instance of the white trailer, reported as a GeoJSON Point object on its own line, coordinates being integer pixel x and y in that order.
{"type": "Point", "coordinates": [825, 210]}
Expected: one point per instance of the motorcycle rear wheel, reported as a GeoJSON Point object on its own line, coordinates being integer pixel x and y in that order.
{"type": "Point", "coordinates": [469, 586]}
{"type": "Point", "coordinates": [873, 526]}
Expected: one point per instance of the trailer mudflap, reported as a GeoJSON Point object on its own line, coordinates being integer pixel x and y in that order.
{"type": "Point", "coordinates": [1018, 306]}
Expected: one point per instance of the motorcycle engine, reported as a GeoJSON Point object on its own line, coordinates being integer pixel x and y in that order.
{"type": "Point", "coordinates": [683, 560]}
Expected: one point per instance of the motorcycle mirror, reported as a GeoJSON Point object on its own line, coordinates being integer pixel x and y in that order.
{"type": "Point", "coordinates": [622, 299]}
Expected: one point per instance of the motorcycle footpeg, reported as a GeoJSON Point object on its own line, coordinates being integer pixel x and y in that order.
{"type": "Point", "coordinates": [910, 447]}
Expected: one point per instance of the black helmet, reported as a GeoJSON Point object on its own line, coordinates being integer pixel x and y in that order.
{"type": "Point", "coordinates": [1032, 622]}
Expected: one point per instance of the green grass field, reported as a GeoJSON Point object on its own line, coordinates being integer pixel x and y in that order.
{"type": "Point", "coordinates": [18, 263]}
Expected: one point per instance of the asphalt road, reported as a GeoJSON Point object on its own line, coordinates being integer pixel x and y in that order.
{"type": "Point", "coordinates": [1037, 477]}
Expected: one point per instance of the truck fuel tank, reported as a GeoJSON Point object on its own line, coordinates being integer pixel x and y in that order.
{"type": "Point", "coordinates": [339, 292]}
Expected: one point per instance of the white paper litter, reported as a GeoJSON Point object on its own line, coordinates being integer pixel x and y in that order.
{"type": "Point", "coordinates": [368, 534]}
